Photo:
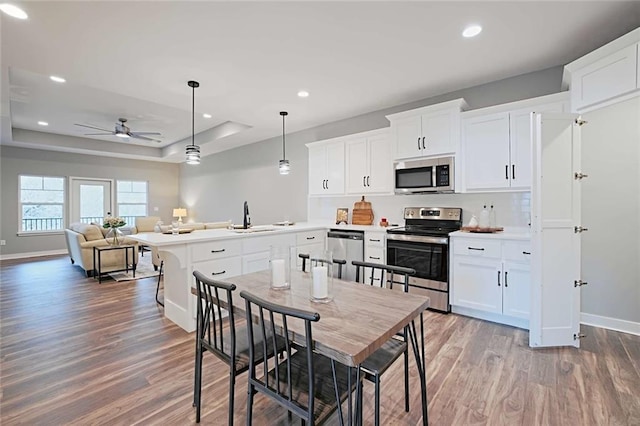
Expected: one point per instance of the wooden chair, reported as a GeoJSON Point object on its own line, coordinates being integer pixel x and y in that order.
{"type": "Point", "coordinates": [339, 262]}
{"type": "Point", "coordinates": [232, 345]}
{"type": "Point", "coordinates": [378, 362]}
{"type": "Point", "coordinates": [306, 383]}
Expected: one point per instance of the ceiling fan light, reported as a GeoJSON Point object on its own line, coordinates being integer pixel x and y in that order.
{"type": "Point", "coordinates": [122, 135]}
{"type": "Point", "coordinates": [284, 167]}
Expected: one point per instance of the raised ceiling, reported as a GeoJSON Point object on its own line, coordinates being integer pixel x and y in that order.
{"type": "Point", "coordinates": [133, 60]}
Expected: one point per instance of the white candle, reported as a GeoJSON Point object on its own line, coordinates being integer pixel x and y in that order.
{"type": "Point", "coordinates": [320, 285]}
{"type": "Point", "coordinates": [277, 273]}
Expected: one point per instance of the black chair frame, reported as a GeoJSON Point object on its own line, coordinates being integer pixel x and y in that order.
{"type": "Point", "coordinates": [305, 257]}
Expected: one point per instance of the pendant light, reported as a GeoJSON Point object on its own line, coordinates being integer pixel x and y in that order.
{"type": "Point", "coordinates": [193, 151]}
{"type": "Point", "coordinates": [283, 164]}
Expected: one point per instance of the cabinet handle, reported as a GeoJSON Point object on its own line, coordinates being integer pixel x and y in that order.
{"type": "Point", "coordinates": [327, 183]}
{"type": "Point", "coordinates": [513, 171]}
{"type": "Point", "coordinates": [217, 251]}
{"type": "Point", "coordinates": [373, 257]}
{"type": "Point", "coordinates": [475, 248]}
{"type": "Point", "coordinates": [368, 180]}
{"type": "Point", "coordinates": [505, 278]}
{"type": "Point", "coordinates": [498, 278]}
{"type": "Point", "coordinates": [374, 241]}
{"type": "Point", "coordinates": [218, 273]}
{"type": "Point", "coordinates": [364, 181]}
{"type": "Point", "coordinates": [526, 252]}
{"type": "Point", "coordinates": [506, 172]}
{"type": "Point", "coordinates": [419, 147]}
{"type": "Point", "coordinates": [311, 238]}
{"type": "Point", "coordinates": [423, 147]}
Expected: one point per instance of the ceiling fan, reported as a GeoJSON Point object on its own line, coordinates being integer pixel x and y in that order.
{"type": "Point", "coordinates": [122, 131]}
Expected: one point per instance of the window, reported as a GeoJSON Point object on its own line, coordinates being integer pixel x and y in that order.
{"type": "Point", "coordinates": [132, 200]}
{"type": "Point", "coordinates": [41, 203]}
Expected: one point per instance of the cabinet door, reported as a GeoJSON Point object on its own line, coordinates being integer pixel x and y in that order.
{"type": "Point", "coordinates": [477, 284]}
{"type": "Point", "coordinates": [317, 169]}
{"type": "Point", "coordinates": [486, 151]}
{"type": "Point", "coordinates": [408, 137]}
{"type": "Point", "coordinates": [605, 79]}
{"type": "Point", "coordinates": [437, 133]}
{"type": "Point", "coordinates": [255, 262]}
{"type": "Point", "coordinates": [357, 166]}
{"type": "Point", "coordinates": [516, 297]}
{"type": "Point", "coordinates": [307, 249]}
{"type": "Point", "coordinates": [380, 177]}
{"type": "Point", "coordinates": [335, 169]}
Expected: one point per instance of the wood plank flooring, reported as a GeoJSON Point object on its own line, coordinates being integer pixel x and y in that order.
{"type": "Point", "coordinates": [77, 352]}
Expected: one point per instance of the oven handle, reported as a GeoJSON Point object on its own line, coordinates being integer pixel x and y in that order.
{"type": "Point", "coordinates": [418, 239]}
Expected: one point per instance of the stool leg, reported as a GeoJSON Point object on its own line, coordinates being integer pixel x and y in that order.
{"type": "Point", "coordinates": [158, 286]}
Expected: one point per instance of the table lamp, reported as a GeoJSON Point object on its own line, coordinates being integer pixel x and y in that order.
{"type": "Point", "coordinates": [179, 212]}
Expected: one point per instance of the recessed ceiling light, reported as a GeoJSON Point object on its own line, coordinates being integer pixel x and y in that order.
{"type": "Point", "coordinates": [57, 79]}
{"type": "Point", "coordinates": [471, 31]}
{"type": "Point", "coordinates": [207, 115]}
{"type": "Point", "coordinates": [43, 123]}
{"type": "Point", "coordinates": [14, 11]}
{"type": "Point", "coordinates": [303, 94]}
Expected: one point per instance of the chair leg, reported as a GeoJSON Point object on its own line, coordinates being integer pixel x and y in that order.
{"type": "Point", "coordinates": [158, 285]}
{"type": "Point", "coordinates": [377, 400]}
{"type": "Point", "coordinates": [250, 405]}
{"type": "Point", "coordinates": [406, 380]}
{"type": "Point", "coordinates": [232, 383]}
{"type": "Point", "coordinates": [197, 387]}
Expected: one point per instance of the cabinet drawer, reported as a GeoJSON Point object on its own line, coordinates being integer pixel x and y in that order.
{"type": "Point", "coordinates": [219, 269]}
{"type": "Point", "coordinates": [477, 247]}
{"type": "Point", "coordinates": [374, 254]}
{"type": "Point", "coordinates": [215, 250]}
{"type": "Point", "coordinates": [264, 243]}
{"type": "Point", "coordinates": [310, 237]}
{"type": "Point", "coordinates": [374, 239]}
{"type": "Point", "coordinates": [517, 251]}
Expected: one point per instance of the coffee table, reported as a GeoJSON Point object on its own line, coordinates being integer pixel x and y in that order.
{"type": "Point", "coordinates": [97, 260]}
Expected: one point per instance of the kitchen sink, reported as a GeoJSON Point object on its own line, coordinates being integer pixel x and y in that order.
{"type": "Point", "coordinates": [263, 228]}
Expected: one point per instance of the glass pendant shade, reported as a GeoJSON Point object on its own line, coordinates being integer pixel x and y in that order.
{"type": "Point", "coordinates": [193, 154]}
{"type": "Point", "coordinates": [284, 167]}
{"type": "Point", "coordinates": [193, 151]}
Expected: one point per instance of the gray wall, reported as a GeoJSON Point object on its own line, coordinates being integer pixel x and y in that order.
{"type": "Point", "coordinates": [217, 187]}
{"type": "Point", "coordinates": [162, 178]}
{"type": "Point", "coordinates": [611, 211]}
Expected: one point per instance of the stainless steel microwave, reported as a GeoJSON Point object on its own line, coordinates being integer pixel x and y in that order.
{"type": "Point", "coordinates": [424, 175]}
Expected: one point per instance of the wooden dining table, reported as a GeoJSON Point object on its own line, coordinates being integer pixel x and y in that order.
{"type": "Point", "coordinates": [353, 325]}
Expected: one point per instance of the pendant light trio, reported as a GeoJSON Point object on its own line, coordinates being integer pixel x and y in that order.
{"type": "Point", "coordinates": [193, 150]}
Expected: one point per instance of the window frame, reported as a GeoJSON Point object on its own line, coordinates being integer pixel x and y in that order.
{"type": "Point", "coordinates": [117, 198]}
{"type": "Point", "coordinates": [63, 204]}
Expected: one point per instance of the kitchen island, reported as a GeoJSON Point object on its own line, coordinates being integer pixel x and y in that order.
{"type": "Point", "coordinates": [221, 253]}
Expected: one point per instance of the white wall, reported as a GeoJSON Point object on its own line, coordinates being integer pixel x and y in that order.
{"type": "Point", "coordinates": [611, 211]}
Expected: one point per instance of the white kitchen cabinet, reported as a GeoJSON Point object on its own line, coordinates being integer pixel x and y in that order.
{"type": "Point", "coordinates": [491, 276]}
{"type": "Point", "coordinates": [309, 242]}
{"type": "Point", "coordinates": [428, 131]}
{"type": "Point", "coordinates": [369, 166]}
{"type": "Point", "coordinates": [326, 168]}
{"type": "Point", "coordinates": [255, 262]}
{"type": "Point", "coordinates": [496, 144]}
{"type": "Point", "coordinates": [374, 251]}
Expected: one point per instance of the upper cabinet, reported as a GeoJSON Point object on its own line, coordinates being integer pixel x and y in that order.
{"type": "Point", "coordinates": [496, 144]}
{"type": "Point", "coordinates": [428, 131]}
{"type": "Point", "coordinates": [326, 168]}
{"type": "Point", "coordinates": [605, 74]}
{"type": "Point", "coordinates": [369, 166]}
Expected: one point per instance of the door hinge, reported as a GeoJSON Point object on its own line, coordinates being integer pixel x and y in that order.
{"type": "Point", "coordinates": [579, 175]}
{"type": "Point", "coordinates": [577, 229]}
{"type": "Point", "coordinates": [579, 283]}
{"type": "Point", "coordinates": [577, 336]}
{"type": "Point", "coordinates": [579, 121]}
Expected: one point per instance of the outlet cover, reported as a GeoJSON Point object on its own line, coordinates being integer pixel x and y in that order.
{"type": "Point", "coordinates": [3, 242]}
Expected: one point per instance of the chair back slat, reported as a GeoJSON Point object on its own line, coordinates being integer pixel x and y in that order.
{"type": "Point", "coordinates": [338, 264]}
{"type": "Point", "coordinates": [378, 271]}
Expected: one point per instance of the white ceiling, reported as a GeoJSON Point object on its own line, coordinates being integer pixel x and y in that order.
{"type": "Point", "coordinates": [133, 60]}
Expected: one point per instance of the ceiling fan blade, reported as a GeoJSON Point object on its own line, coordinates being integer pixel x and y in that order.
{"type": "Point", "coordinates": [98, 134]}
{"type": "Point", "coordinates": [144, 133]}
{"type": "Point", "coordinates": [144, 138]}
{"type": "Point", "coordinates": [92, 127]}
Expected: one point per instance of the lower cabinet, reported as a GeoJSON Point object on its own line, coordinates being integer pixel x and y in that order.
{"type": "Point", "coordinates": [308, 242]}
{"type": "Point", "coordinates": [491, 276]}
{"type": "Point", "coordinates": [374, 251]}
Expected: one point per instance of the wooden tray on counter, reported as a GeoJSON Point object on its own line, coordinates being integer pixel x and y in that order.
{"type": "Point", "coordinates": [478, 230]}
{"type": "Point", "coordinates": [181, 231]}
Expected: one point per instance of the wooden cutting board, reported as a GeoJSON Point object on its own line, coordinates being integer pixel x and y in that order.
{"type": "Point", "coordinates": [362, 213]}
{"type": "Point", "coordinates": [477, 229]}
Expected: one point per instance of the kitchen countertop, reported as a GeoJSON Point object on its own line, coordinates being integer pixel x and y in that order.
{"type": "Point", "coordinates": [507, 234]}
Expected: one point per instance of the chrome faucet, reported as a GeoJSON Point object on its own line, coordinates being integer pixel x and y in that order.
{"type": "Point", "coordinates": [246, 221]}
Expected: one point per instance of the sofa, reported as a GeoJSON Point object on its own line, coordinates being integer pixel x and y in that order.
{"type": "Point", "coordinates": [81, 238]}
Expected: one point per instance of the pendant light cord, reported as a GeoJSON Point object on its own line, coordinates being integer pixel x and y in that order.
{"type": "Point", "coordinates": [193, 114]}
{"type": "Point", "coordinates": [284, 157]}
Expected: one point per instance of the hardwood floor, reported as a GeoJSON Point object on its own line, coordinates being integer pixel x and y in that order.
{"type": "Point", "coordinates": [77, 352]}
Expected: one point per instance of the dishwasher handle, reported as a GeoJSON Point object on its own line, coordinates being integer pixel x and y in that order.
{"type": "Point", "coordinates": [350, 235]}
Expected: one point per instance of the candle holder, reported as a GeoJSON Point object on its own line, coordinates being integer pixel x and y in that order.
{"type": "Point", "coordinates": [280, 264]}
{"type": "Point", "coordinates": [321, 289]}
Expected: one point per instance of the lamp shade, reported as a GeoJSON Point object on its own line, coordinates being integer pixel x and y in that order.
{"type": "Point", "coordinates": [179, 212]}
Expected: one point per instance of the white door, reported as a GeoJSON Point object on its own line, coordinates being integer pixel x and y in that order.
{"type": "Point", "coordinates": [335, 169]}
{"type": "Point", "coordinates": [408, 134]}
{"type": "Point", "coordinates": [437, 133]}
{"type": "Point", "coordinates": [555, 212]}
{"type": "Point", "coordinates": [515, 294]}
{"type": "Point", "coordinates": [486, 148]}
{"type": "Point", "coordinates": [478, 284]}
{"type": "Point", "coordinates": [380, 164]}
{"type": "Point", "coordinates": [357, 165]}
{"type": "Point", "coordinates": [90, 199]}
{"type": "Point", "coordinates": [317, 169]}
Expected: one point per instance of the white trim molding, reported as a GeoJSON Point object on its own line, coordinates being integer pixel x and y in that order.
{"type": "Point", "coordinates": [610, 323]}
{"type": "Point", "coordinates": [33, 254]}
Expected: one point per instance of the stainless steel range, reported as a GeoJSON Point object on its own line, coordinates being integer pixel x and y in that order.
{"type": "Point", "coordinates": [423, 244]}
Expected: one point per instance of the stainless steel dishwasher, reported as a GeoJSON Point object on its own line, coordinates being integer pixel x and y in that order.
{"type": "Point", "coordinates": [347, 245]}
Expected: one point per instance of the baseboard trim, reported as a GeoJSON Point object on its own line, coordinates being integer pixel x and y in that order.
{"type": "Point", "coordinates": [32, 254]}
{"type": "Point", "coordinates": [610, 323]}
